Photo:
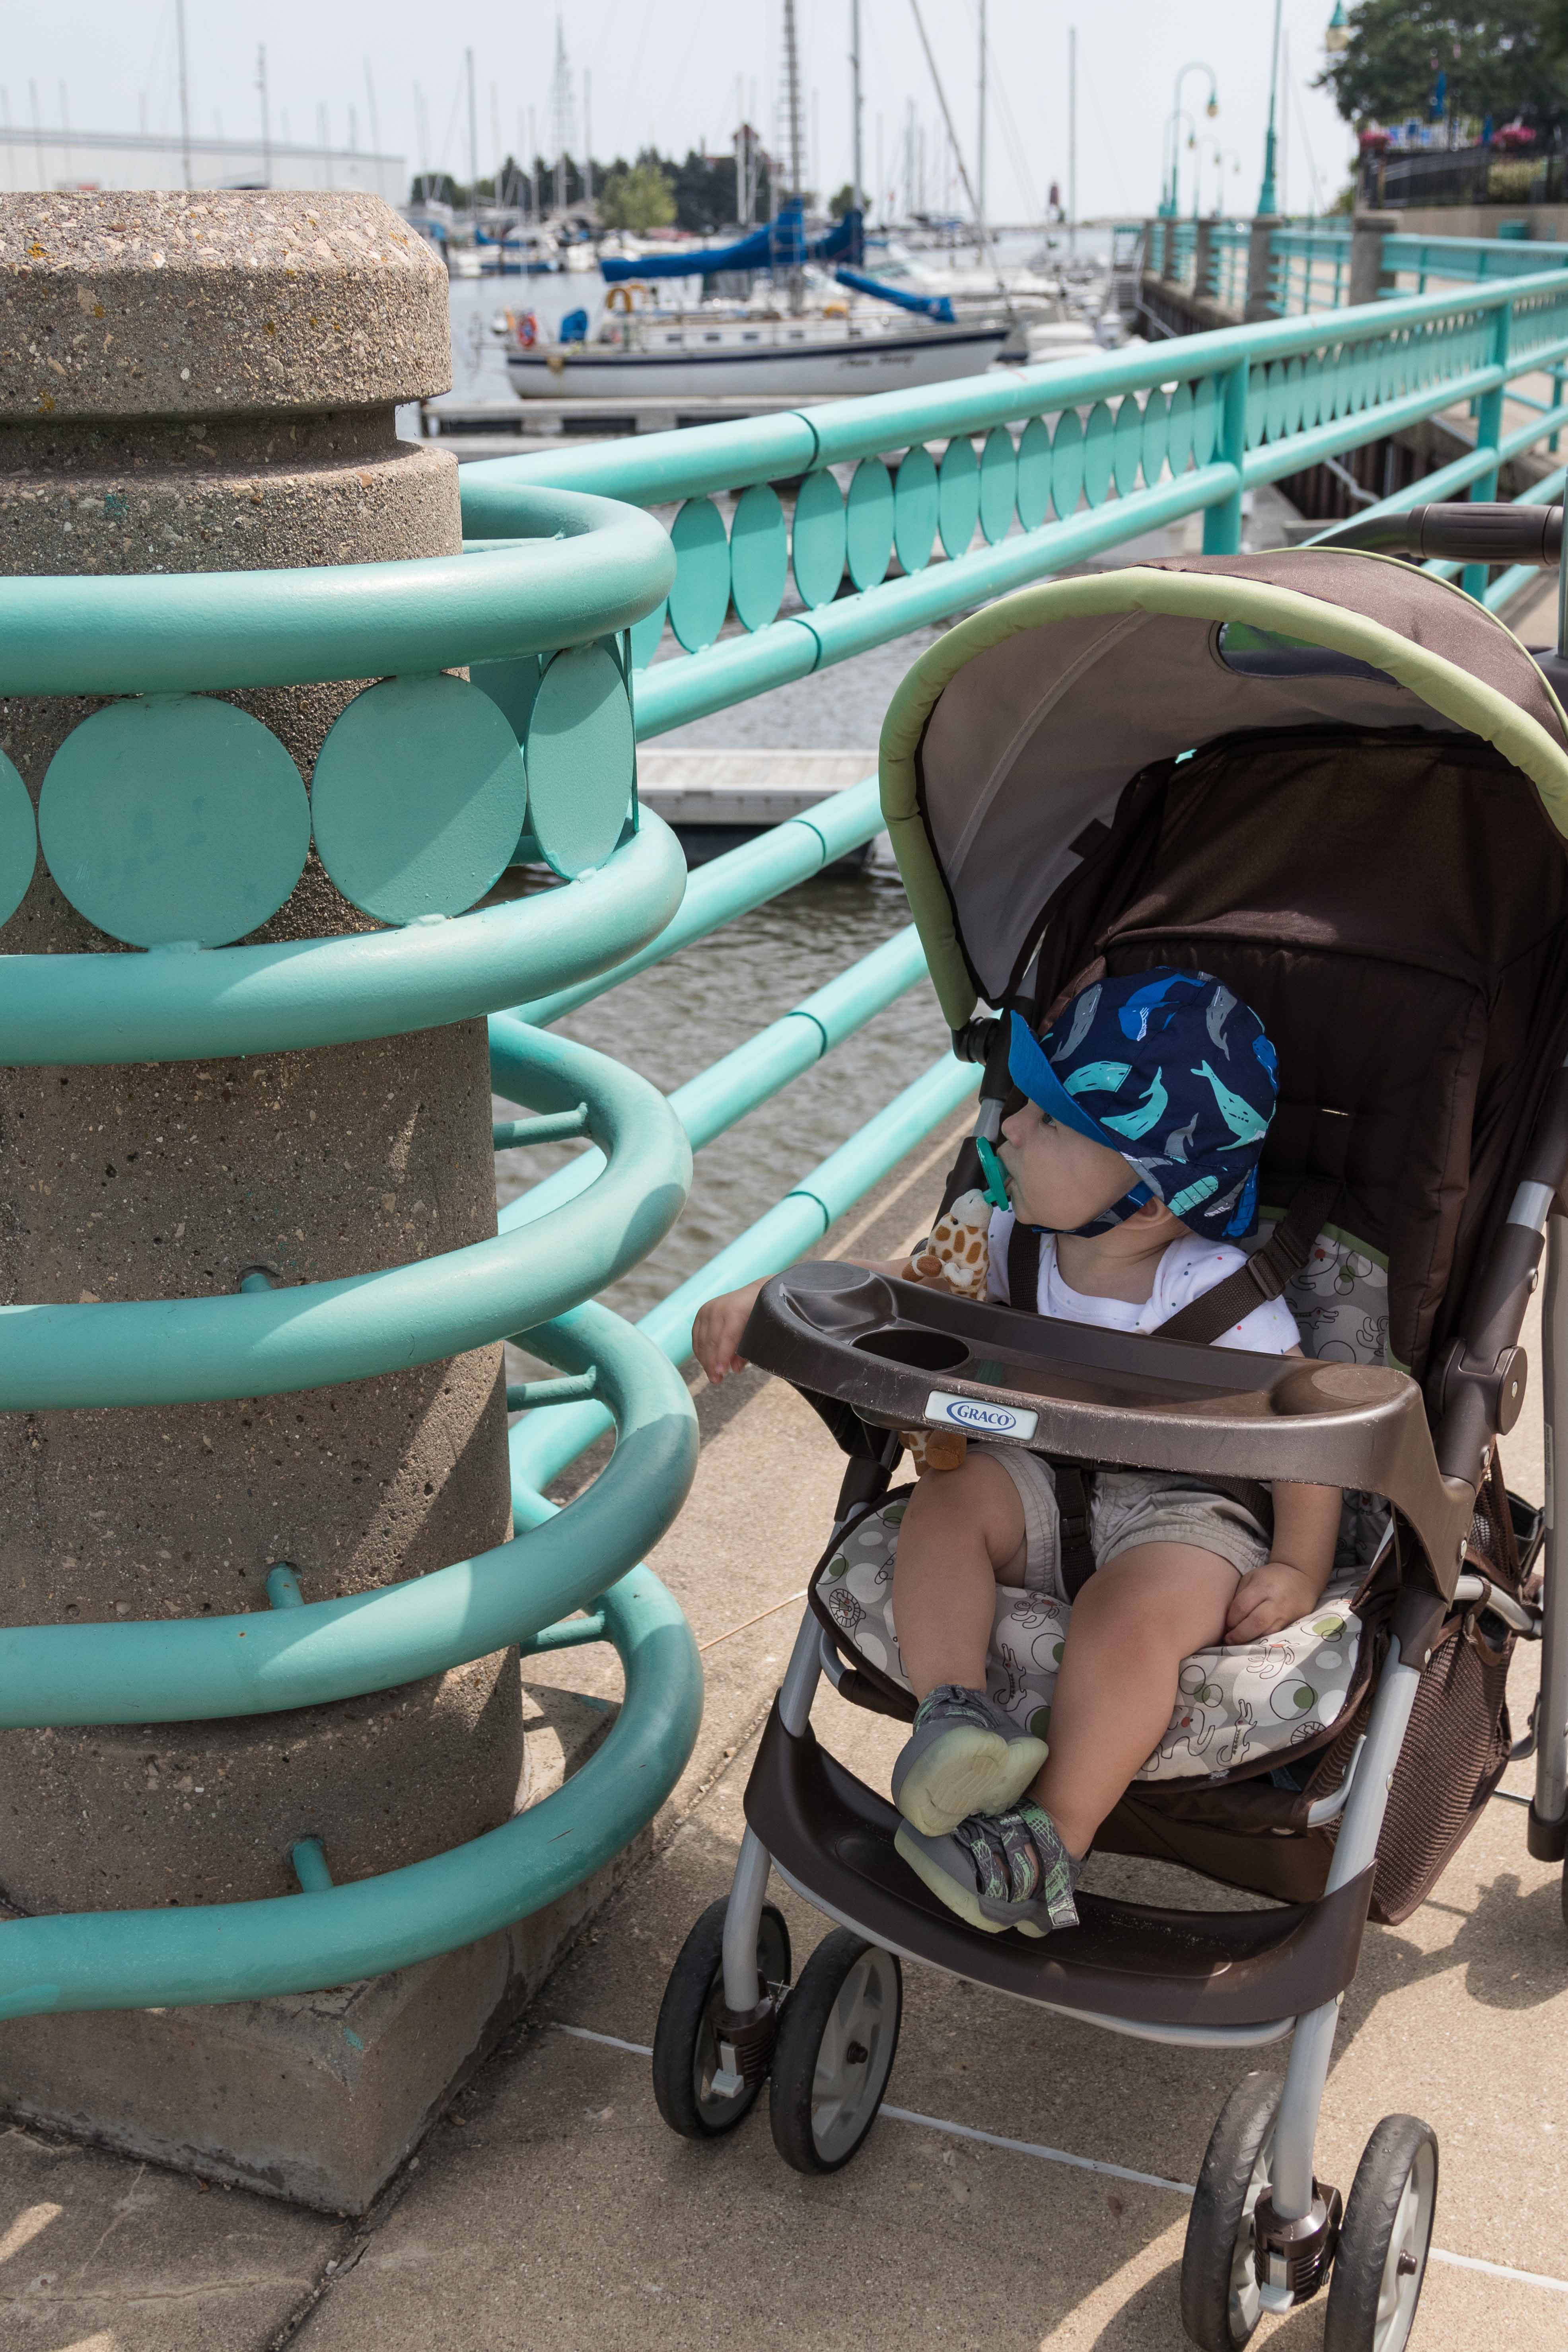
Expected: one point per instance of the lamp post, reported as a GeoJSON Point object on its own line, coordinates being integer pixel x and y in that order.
{"type": "Point", "coordinates": [1168, 204]}
{"type": "Point", "coordinates": [1337, 36]}
{"type": "Point", "coordinates": [1268, 200]}
{"type": "Point", "coordinates": [1222, 155]}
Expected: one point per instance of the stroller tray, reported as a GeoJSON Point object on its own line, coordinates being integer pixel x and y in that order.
{"type": "Point", "coordinates": [833, 1838]}
{"type": "Point", "coordinates": [907, 1357]}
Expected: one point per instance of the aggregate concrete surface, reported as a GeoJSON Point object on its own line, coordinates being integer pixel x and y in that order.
{"type": "Point", "coordinates": [550, 2204]}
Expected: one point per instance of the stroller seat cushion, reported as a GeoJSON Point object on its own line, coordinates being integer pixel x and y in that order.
{"type": "Point", "coordinates": [1234, 1705]}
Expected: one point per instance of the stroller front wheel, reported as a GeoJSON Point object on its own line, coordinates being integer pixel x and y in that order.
{"type": "Point", "coordinates": [1381, 2262]}
{"type": "Point", "coordinates": [686, 2060]}
{"type": "Point", "coordinates": [835, 2051]}
{"type": "Point", "coordinates": [1221, 2300]}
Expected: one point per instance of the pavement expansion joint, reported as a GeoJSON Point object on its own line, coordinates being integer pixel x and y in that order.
{"type": "Point", "coordinates": [1079, 2163]}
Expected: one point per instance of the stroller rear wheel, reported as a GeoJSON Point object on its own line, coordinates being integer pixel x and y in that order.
{"type": "Point", "coordinates": [1381, 2263]}
{"type": "Point", "coordinates": [835, 2051]}
{"type": "Point", "coordinates": [686, 2059]}
{"type": "Point", "coordinates": [1221, 2300]}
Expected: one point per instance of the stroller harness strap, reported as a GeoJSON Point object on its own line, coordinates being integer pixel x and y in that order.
{"type": "Point", "coordinates": [1266, 1273]}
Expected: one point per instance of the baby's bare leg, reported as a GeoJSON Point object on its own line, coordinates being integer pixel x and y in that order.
{"type": "Point", "coordinates": [962, 1529]}
{"type": "Point", "coordinates": [1133, 1622]}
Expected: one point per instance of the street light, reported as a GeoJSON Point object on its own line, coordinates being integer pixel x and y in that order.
{"type": "Point", "coordinates": [1222, 155]}
{"type": "Point", "coordinates": [1168, 201]}
{"type": "Point", "coordinates": [1338, 36]}
{"type": "Point", "coordinates": [1268, 200]}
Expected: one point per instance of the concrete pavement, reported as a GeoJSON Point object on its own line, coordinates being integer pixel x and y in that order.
{"type": "Point", "coordinates": [550, 2204]}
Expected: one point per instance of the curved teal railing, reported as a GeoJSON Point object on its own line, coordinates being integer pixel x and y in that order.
{"type": "Point", "coordinates": [575, 572]}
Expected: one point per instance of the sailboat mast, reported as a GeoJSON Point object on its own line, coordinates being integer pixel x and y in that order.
{"type": "Point", "coordinates": [792, 99]}
{"type": "Point", "coordinates": [1072, 139]}
{"type": "Point", "coordinates": [980, 141]}
{"type": "Point", "coordinates": [857, 193]}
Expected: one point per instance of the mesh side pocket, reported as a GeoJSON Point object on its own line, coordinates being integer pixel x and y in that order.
{"type": "Point", "coordinates": [1457, 1746]}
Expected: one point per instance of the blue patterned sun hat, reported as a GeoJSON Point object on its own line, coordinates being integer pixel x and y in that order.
{"type": "Point", "coordinates": [1173, 1071]}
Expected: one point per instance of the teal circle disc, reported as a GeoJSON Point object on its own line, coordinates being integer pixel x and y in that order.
{"type": "Point", "coordinates": [1066, 465]}
{"type": "Point", "coordinates": [868, 523]}
{"type": "Point", "coordinates": [759, 556]}
{"type": "Point", "coordinates": [173, 818]}
{"type": "Point", "coordinates": [915, 505]}
{"type": "Point", "coordinates": [647, 633]}
{"type": "Point", "coordinates": [699, 597]}
{"type": "Point", "coordinates": [958, 496]}
{"type": "Point", "coordinates": [18, 840]}
{"type": "Point", "coordinates": [998, 484]}
{"type": "Point", "coordinates": [582, 757]}
{"type": "Point", "coordinates": [1127, 446]}
{"type": "Point", "coordinates": [1035, 473]}
{"type": "Point", "coordinates": [1096, 454]}
{"type": "Point", "coordinates": [418, 797]}
{"type": "Point", "coordinates": [818, 538]}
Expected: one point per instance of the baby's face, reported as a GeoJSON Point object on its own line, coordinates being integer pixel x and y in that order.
{"type": "Point", "coordinates": [1056, 1177]}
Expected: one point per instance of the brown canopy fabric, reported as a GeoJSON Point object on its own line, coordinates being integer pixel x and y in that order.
{"type": "Point", "coordinates": [1021, 727]}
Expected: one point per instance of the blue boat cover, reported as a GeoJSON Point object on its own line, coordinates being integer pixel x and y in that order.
{"type": "Point", "coordinates": [781, 244]}
{"type": "Point", "coordinates": [925, 306]}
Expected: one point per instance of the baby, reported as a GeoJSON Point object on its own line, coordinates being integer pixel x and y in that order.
{"type": "Point", "coordinates": [1136, 1153]}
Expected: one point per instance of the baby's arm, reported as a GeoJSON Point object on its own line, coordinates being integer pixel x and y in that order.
{"type": "Point", "coordinates": [1305, 1528]}
{"type": "Point", "coordinates": [716, 1333]}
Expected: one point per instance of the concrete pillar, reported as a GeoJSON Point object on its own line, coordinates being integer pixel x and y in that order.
{"type": "Point", "coordinates": [1260, 268]}
{"type": "Point", "coordinates": [202, 382]}
{"type": "Point", "coordinates": [1368, 276]}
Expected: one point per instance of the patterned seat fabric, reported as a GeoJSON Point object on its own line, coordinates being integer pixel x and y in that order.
{"type": "Point", "coordinates": [1233, 1706]}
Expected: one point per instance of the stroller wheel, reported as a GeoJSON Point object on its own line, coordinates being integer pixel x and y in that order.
{"type": "Point", "coordinates": [1381, 2263]}
{"type": "Point", "coordinates": [835, 2051]}
{"type": "Point", "coordinates": [685, 2040]}
{"type": "Point", "coordinates": [1221, 2300]}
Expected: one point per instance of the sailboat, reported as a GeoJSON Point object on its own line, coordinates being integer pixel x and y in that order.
{"type": "Point", "coordinates": [855, 336]}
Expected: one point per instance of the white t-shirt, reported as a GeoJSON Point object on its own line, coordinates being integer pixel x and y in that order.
{"type": "Point", "coordinates": [1189, 1268]}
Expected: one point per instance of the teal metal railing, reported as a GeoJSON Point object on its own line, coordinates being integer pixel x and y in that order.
{"type": "Point", "coordinates": [574, 574]}
{"type": "Point", "coordinates": [794, 541]}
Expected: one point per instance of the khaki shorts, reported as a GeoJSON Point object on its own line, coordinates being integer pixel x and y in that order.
{"type": "Point", "coordinates": [1127, 1507]}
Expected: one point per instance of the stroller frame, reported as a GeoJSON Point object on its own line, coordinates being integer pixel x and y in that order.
{"type": "Point", "coordinates": [1251, 1979]}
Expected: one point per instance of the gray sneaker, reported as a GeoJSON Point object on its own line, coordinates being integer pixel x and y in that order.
{"type": "Point", "coordinates": [964, 1756]}
{"type": "Point", "coordinates": [1008, 1871]}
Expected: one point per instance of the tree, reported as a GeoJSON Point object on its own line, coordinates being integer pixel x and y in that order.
{"type": "Point", "coordinates": [843, 202]}
{"type": "Point", "coordinates": [638, 198]}
{"type": "Point", "coordinates": [1501, 57]}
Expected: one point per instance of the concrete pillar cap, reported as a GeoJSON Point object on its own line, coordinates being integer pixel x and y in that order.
{"type": "Point", "coordinates": [215, 302]}
{"type": "Point", "coordinates": [1384, 221]}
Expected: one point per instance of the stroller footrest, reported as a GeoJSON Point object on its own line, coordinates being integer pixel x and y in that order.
{"type": "Point", "coordinates": [1135, 1962]}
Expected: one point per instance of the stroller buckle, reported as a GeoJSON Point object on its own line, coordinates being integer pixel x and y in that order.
{"type": "Point", "coordinates": [1290, 2259]}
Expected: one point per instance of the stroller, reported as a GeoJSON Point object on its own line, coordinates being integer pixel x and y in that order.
{"type": "Point", "coordinates": [1338, 784]}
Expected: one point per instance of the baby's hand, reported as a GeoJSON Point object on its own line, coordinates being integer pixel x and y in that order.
{"type": "Point", "coordinates": [716, 1333]}
{"type": "Point", "coordinates": [1267, 1598]}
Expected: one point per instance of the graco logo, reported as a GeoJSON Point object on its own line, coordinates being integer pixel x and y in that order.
{"type": "Point", "coordinates": [985, 1420]}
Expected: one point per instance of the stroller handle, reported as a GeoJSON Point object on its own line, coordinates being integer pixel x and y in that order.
{"type": "Point", "coordinates": [1465, 531]}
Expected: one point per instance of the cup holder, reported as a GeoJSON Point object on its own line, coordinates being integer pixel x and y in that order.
{"type": "Point", "coordinates": [927, 1351]}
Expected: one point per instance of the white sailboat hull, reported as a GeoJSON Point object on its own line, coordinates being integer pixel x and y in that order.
{"type": "Point", "coordinates": [815, 370]}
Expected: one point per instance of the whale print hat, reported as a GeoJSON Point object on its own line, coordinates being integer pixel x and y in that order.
{"type": "Point", "coordinates": [1173, 1071]}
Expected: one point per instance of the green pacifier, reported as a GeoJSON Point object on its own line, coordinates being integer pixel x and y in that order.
{"type": "Point", "coordinates": [995, 1175]}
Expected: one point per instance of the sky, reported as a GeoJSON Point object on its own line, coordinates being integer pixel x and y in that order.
{"type": "Point", "coordinates": [679, 74]}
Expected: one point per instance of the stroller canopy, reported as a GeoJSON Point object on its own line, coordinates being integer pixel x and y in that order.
{"type": "Point", "coordinates": [1010, 742]}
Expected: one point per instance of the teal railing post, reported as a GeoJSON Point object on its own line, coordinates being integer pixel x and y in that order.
{"type": "Point", "coordinates": [1556, 402]}
{"type": "Point", "coordinates": [1488, 433]}
{"type": "Point", "coordinates": [1221, 523]}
